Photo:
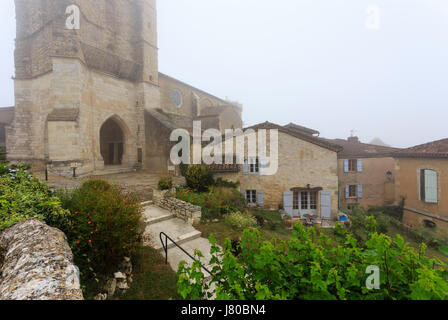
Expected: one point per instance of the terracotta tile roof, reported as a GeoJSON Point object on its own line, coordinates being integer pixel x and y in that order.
{"type": "Point", "coordinates": [6, 115]}
{"type": "Point", "coordinates": [435, 149]}
{"type": "Point", "coordinates": [296, 127]}
{"type": "Point", "coordinates": [324, 143]}
{"type": "Point", "coordinates": [353, 148]}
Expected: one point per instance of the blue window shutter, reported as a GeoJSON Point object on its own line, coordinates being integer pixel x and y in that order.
{"type": "Point", "coordinates": [360, 191]}
{"type": "Point", "coordinates": [325, 204]}
{"type": "Point", "coordinates": [345, 165]}
{"type": "Point", "coordinates": [431, 189]}
{"type": "Point", "coordinates": [287, 202]}
{"type": "Point", "coordinates": [347, 191]}
{"type": "Point", "coordinates": [359, 165]}
{"type": "Point", "coordinates": [260, 198]}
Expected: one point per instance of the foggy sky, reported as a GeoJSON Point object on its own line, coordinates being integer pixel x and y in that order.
{"type": "Point", "coordinates": [312, 62]}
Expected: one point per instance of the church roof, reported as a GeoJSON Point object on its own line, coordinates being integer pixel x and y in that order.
{"type": "Point", "coordinates": [171, 120]}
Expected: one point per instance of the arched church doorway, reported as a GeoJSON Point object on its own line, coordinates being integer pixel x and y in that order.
{"type": "Point", "coordinates": [112, 142]}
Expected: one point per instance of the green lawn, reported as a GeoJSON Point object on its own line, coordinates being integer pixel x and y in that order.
{"type": "Point", "coordinates": [153, 279]}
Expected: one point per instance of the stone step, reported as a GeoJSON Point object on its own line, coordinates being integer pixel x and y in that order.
{"type": "Point", "coordinates": [175, 228]}
{"type": "Point", "coordinates": [180, 240]}
{"type": "Point", "coordinates": [175, 255]}
{"type": "Point", "coordinates": [160, 219]}
{"type": "Point", "coordinates": [147, 203]}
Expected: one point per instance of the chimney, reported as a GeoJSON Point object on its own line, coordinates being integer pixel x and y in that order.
{"type": "Point", "coordinates": [353, 139]}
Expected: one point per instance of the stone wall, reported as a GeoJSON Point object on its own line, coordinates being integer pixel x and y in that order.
{"type": "Point", "coordinates": [183, 210]}
{"type": "Point", "coordinates": [37, 264]}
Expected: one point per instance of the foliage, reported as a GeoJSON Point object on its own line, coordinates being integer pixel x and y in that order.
{"type": "Point", "coordinates": [152, 278]}
{"type": "Point", "coordinates": [165, 183]}
{"type": "Point", "coordinates": [198, 177]}
{"type": "Point", "coordinates": [216, 202]}
{"type": "Point", "coordinates": [106, 227]}
{"type": "Point", "coordinates": [220, 182]}
{"type": "Point", "coordinates": [311, 266]}
{"type": "Point", "coordinates": [240, 220]}
{"type": "Point", "coordinates": [23, 197]}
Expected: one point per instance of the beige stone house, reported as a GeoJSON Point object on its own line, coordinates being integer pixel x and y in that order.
{"type": "Point", "coordinates": [422, 184]}
{"type": "Point", "coordinates": [93, 98]}
{"type": "Point", "coordinates": [306, 180]}
{"type": "Point", "coordinates": [366, 174]}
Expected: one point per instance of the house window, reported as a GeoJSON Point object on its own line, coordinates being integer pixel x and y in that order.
{"type": "Point", "coordinates": [305, 200]}
{"type": "Point", "coordinates": [429, 186]}
{"type": "Point", "coordinates": [254, 165]}
{"type": "Point", "coordinates": [353, 191]}
{"type": "Point", "coordinates": [251, 196]}
{"type": "Point", "coordinates": [353, 165]}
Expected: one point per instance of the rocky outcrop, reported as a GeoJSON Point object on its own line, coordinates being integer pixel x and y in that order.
{"type": "Point", "coordinates": [37, 264]}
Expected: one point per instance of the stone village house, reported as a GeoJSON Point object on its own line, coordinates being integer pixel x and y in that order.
{"type": "Point", "coordinates": [366, 174]}
{"type": "Point", "coordinates": [306, 180]}
{"type": "Point", "coordinates": [94, 98]}
{"type": "Point", "coordinates": [422, 184]}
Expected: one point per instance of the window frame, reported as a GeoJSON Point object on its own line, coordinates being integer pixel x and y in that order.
{"type": "Point", "coordinates": [251, 195]}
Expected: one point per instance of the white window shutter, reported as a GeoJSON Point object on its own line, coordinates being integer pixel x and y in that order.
{"type": "Point", "coordinates": [347, 191]}
{"type": "Point", "coordinates": [346, 166]}
{"type": "Point", "coordinates": [263, 165]}
{"type": "Point", "coordinates": [288, 202]}
{"type": "Point", "coordinates": [431, 189]}
{"type": "Point", "coordinates": [246, 167]}
{"type": "Point", "coordinates": [260, 198]}
{"type": "Point", "coordinates": [359, 165]}
{"type": "Point", "coordinates": [325, 204]}
{"type": "Point", "coordinates": [360, 191]}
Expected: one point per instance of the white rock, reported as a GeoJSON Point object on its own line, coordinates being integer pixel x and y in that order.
{"type": "Point", "coordinates": [119, 275]}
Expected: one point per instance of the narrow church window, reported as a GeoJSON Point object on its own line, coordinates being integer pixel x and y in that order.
{"type": "Point", "coordinates": [176, 98]}
{"type": "Point", "coordinates": [140, 155]}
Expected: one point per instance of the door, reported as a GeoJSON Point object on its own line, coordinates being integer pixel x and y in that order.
{"type": "Point", "coordinates": [305, 202]}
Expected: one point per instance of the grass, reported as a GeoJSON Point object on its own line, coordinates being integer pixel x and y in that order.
{"type": "Point", "coordinates": [153, 279]}
{"type": "Point", "coordinates": [273, 228]}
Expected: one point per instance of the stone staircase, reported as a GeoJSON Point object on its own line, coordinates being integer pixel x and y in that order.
{"type": "Point", "coordinates": [160, 220]}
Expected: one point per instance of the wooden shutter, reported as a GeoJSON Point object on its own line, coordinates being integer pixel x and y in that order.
{"type": "Point", "coordinates": [287, 202]}
{"type": "Point", "coordinates": [359, 165]}
{"type": "Point", "coordinates": [260, 198]}
{"type": "Point", "coordinates": [360, 191]}
{"type": "Point", "coordinates": [346, 164]}
{"type": "Point", "coordinates": [325, 204]}
{"type": "Point", "coordinates": [431, 189]}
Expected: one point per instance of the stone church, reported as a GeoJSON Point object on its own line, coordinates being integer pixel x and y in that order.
{"type": "Point", "coordinates": [93, 97]}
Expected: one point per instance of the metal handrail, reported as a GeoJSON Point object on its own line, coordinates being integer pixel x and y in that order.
{"type": "Point", "coordinates": [165, 248]}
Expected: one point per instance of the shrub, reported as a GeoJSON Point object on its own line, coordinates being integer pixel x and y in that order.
{"type": "Point", "coordinates": [227, 184]}
{"type": "Point", "coordinates": [23, 197]}
{"type": "Point", "coordinates": [165, 183]}
{"type": "Point", "coordinates": [106, 227]}
{"type": "Point", "coordinates": [198, 177]}
{"type": "Point", "coordinates": [240, 221]}
{"type": "Point", "coordinates": [215, 202]}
